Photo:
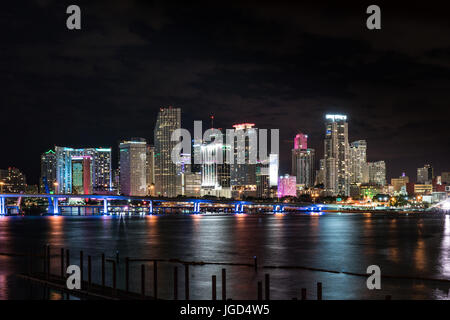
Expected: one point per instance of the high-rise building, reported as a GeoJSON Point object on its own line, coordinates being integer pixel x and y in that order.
{"type": "Point", "coordinates": [377, 173]}
{"type": "Point", "coordinates": [82, 175]}
{"type": "Point", "coordinates": [273, 169]}
{"type": "Point", "coordinates": [262, 180]}
{"type": "Point", "coordinates": [287, 186]}
{"type": "Point", "coordinates": [445, 177]}
{"type": "Point", "coordinates": [337, 171]}
{"type": "Point", "coordinates": [169, 120]}
{"type": "Point", "coordinates": [193, 184]}
{"type": "Point", "coordinates": [150, 170]}
{"type": "Point", "coordinates": [133, 167]}
{"type": "Point", "coordinates": [216, 177]}
{"type": "Point", "coordinates": [400, 182]}
{"type": "Point", "coordinates": [101, 171]}
{"type": "Point", "coordinates": [303, 161]}
{"type": "Point", "coordinates": [320, 174]}
{"type": "Point", "coordinates": [242, 170]}
{"type": "Point", "coordinates": [358, 162]}
{"type": "Point", "coordinates": [48, 171]}
{"type": "Point", "coordinates": [12, 181]}
{"type": "Point", "coordinates": [425, 174]}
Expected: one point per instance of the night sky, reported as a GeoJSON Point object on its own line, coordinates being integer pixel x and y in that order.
{"type": "Point", "coordinates": [277, 65]}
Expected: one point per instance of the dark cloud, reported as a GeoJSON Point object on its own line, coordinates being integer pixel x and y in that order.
{"type": "Point", "coordinates": [279, 65]}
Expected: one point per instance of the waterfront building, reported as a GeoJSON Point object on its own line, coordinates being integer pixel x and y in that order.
{"type": "Point", "coordinates": [398, 183]}
{"type": "Point", "coordinates": [273, 169]}
{"type": "Point", "coordinates": [48, 171]}
{"type": "Point", "coordinates": [81, 175]}
{"type": "Point", "coordinates": [150, 170]}
{"type": "Point", "coordinates": [133, 167]}
{"type": "Point", "coordinates": [445, 178]}
{"type": "Point", "coordinates": [425, 174]}
{"type": "Point", "coordinates": [216, 176]}
{"type": "Point", "coordinates": [262, 180]}
{"type": "Point", "coordinates": [193, 184]}
{"type": "Point", "coordinates": [101, 170]}
{"type": "Point", "coordinates": [168, 120]}
{"type": "Point", "coordinates": [303, 161]}
{"type": "Point", "coordinates": [242, 170]}
{"type": "Point", "coordinates": [337, 170]}
{"type": "Point", "coordinates": [12, 180]}
{"type": "Point", "coordinates": [423, 188]}
{"type": "Point", "coordinates": [377, 173]}
{"type": "Point", "coordinates": [358, 162]}
{"type": "Point", "coordinates": [287, 186]}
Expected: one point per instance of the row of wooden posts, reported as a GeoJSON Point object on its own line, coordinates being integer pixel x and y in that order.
{"type": "Point", "coordinates": [65, 261]}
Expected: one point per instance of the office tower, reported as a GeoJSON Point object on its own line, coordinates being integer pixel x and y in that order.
{"type": "Point", "coordinates": [101, 171]}
{"type": "Point", "coordinates": [445, 177]}
{"type": "Point", "coordinates": [336, 145]}
{"type": "Point", "coordinates": [193, 184]}
{"type": "Point", "coordinates": [320, 174]}
{"type": "Point", "coordinates": [273, 169]}
{"type": "Point", "coordinates": [183, 168]}
{"type": "Point", "coordinates": [399, 183]}
{"type": "Point", "coordinates": [287, 186]}
{"type": "Point", "coordinates": [216, 179]}
{"type": "Point", "coordinates": [116, 180]}
{"type": "Point", "coordinates": [243, 168]}
{"type": "Point", "coordinates": [12, 181]}
{"type": "Point", "coordinates": [425, 174]}
{"type": "Point", "coordinates": [133, 169]}
{"type": "Point", "coordinates": [81, 175]}
{"type": "Point", "coordinates": [169, 119]}
{"type": "Point", "coordinates": [150, 170]}
{"type": "Point", "coordinates": [303, 161]}
{"type": "Point", "coordinates": [358, 162]}
{"type": "Point", "coordinates": [262, 180]}
{"type": "Point", "coordinates": [377, 173]}
{"type": "Point", "coordinates": [48, 171]}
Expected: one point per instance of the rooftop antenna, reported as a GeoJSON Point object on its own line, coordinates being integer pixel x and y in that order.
{"type": "Point", "coordinates": [212, 121]}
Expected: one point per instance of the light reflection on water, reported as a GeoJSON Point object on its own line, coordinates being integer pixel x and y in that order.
{"type": "Point", "coordinates": [400, 245]}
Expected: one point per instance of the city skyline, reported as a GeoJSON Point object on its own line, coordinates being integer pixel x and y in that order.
{"type": "Point", "coordinates": [276, 68]}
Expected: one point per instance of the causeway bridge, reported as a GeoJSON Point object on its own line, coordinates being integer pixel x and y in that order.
{"type": "Point", "coordinates": [150, 205]}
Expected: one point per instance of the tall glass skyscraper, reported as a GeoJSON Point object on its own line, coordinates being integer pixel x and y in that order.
{"type": "Point", "coordinates": [48, 171]}
{"type": "Point", "coordinates": [303, 161]}
{"type": "Point", "coordinates": [101, 172]}
{"type": "Point", "coordinates": [337, 170]}
{"type": "Point", "coordinates": [169, 119]}
{"type": "Point", "coordinates": [133, 167]}
{"type": "Point", "coordinates": [358, 161]}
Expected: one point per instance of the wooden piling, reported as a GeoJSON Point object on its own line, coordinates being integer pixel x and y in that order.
{"type": "Point", "coordinates": [143, 279]}
{"type": "Point", "coordinates": [224, 284]}
{"type": "Point", "coordinates": [67, 258]}
{"type": "Point", "coordinates": [155, 279]}
{"type": "Point", "coordinates": [89, 271]}
{"type": "Point", "coordinates": [213, 287]}
{"type": "Point", "coordinates": [255, 259]}
{"type": "Point", "coordinates": [48, 262]}
{"type": "Point", "coordinates": [81, 267]}
{"type": "Point", "coordinates": [114, 275]}
{"type": "Point", "coordinates": [103, 270]}
{"type": "Point", "coordinates": [319, 290]}
{"type": "Point", "coordinates": [259, 290]}
{"type": "Point", "coordinates": [267, 286]}
{"type": "Point", "coordinates": [303, 293]}
{"type": "Point", "coordinates": [175, 283]}
{"type": "Point", "coordinates": [127, 274]}
{"type": "Point", "coordinates": [62, 263]}
{"type": "Point", "coordinates": [186, 281]}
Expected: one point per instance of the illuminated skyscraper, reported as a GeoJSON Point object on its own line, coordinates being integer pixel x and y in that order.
{"type": "Point", "coordinates": [358, 162]}
{"type": "Point", "coordinates": [303, 161]}
{"type": "Point", "coordinates": [243, 169]}
{"type": "Point", "coordinates": [150, 171]}
{"type": "Point", "coordinates": [101, 168]}
{"type": "Point", "coordinates": [425, 175]}
{"type": "Point", "coordinates": [287, 186]}
{"type": "Point", "coordinates": [48, 171]}
{"type": "Point", "coordinates": [216, 180]}
{"type": "Point", "coordinates": [337, 170]}
{"type": "Point", "coordinates": [377, 173]}
{"type": "Point", "coordinates": [133, 167]}
{"type": "Point", "coordinates": [169, 119]}
{"type": "Point", "coordinates": [81, 175]}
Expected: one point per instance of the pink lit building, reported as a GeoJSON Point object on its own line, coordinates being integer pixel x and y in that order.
{"type": "Point", "coordinates": [301, 141]}
{"type": "Point", "coordinates": [287, 186]}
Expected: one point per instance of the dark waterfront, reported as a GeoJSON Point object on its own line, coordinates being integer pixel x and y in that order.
{"type": "Point", "coordinates": [401, 246]}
